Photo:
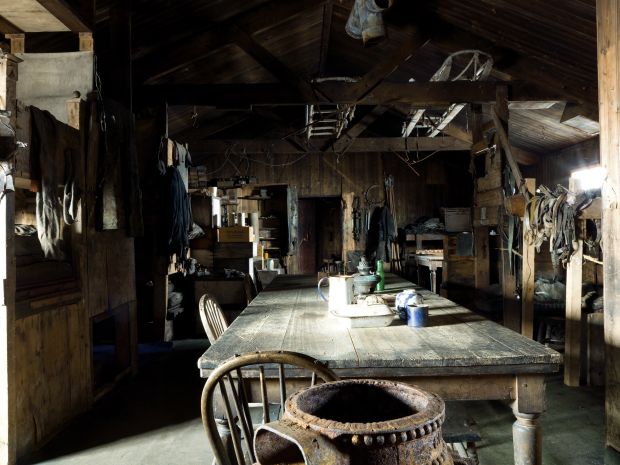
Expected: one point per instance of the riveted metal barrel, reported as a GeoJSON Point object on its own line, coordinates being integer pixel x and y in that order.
{"type": "Point", "coordinates": [362, 422]}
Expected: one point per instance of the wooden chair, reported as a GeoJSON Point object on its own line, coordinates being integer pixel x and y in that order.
{"type": "Point", "coordinates": [228, 379]}
{"type": "Point", "coordinates": [212, 317]}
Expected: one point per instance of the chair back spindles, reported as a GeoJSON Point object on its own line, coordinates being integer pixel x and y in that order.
{"type": "Point", "coordinates": [230, 381]}
{"type": "Point", "coordinates": [232, 425]}
{"type": "Point", "coordinates": [263, 394]}
{"type": "Point", "coordinates": [243, 415]}
{"type": "Point", "coordinates": [282, 381]}
{"type": "Point", "coordinates": [212, 317]}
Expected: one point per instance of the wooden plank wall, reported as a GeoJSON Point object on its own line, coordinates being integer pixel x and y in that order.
{"type": "Point", "coordinates": [55, 381]}
{"type": "Point", "coordinates": [327, 175]}
{"type": "Point", "coordinates": [608, 32]}
{"type": "Point", "coordinates": [555, 168]}
{"type": "Point", "coordinates": [8, 361]}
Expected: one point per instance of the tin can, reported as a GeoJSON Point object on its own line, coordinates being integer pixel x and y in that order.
{"type": "Point", "coordinates": [417, 315]}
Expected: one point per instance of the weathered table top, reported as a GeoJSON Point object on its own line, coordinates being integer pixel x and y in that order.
{"type": "Point", "coordinates": [289, 315]}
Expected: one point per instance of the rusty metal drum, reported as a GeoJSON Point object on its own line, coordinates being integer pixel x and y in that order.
{"type": "Point", "coordinates": [358, 421]}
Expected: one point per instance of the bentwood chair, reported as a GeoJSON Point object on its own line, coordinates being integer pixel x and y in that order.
{"type": "Point", "coordinates": [212, 317]}
{"type": "Point", "coordinates": [232, 444]}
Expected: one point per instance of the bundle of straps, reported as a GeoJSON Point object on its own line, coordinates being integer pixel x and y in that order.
{"type": "Point", "coordinates": [550, 215]}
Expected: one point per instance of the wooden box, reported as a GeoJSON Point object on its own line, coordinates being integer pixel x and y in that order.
{"type": "Point", "coordinates": [235, 234]}
{"type": "Point", "coordinates": [235, 250]}
{"type": "Point", "coordinates": [205, 242]}
{"type": "Point", "coordinates": [457, 219]}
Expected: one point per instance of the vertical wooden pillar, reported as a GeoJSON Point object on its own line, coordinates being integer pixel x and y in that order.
{"type": "Point", "coordinates": [481, 231]}
{"type": "Point", "coordinates": [528, 270]}
{"type": "Point", "coordinates": [8, 393]}
{"type": "Point", "coordinates": [18, 42]}
{"type": "Point", "coordinates": [572, 337]}
{"type": "Point", "coordinates": [608, 31]}
{"type": "Point", "coordinates": [348, 243]}
{"type": "Point", "coordinates": [512, 308]}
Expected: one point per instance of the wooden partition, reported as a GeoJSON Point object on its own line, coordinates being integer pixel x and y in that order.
{"type": "Point", "coordinates": [608, 25]}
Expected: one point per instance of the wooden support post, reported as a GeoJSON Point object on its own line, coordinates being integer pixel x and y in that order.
{"type": "Point", "coordinates": [608, 29]}
{"type": "Point", "coordinates": [8, 392]}
{"type": "Point", "coordinates": [528, 277]}
{"type": "Point", "coordinates": [87, 43]}
{"type": "Point", "coordinates": [348, 243]}
{"type": "Point", "coordinates": [18, 43]}
{"type": "Point", "coordinates": [573, 332]}
{"type": "Point", "coordinates": [481, 233]}
{"type": "Point", "coordinates": [512, 308]}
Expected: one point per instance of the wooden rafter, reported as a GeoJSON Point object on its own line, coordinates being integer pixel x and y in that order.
{"type": "Point", "coordinates": [543, 76]}
{"type": "Point", "coordinates": [8, 27]}
{"type": "Point", "coordinates": [421, 94]}
{"type": "Point", "coordinates": [271, 63]}
{"type": "Point", "coordinates": [360, 145]}
{"type": "Point", "coordinates": [371, 79]}
{"type": "Point", "coordinates": [65, 15]}
{"type": "Point", "coordinates": [177, 54]}
{"type": "Point", "coordinates": [326, 30]}
{"type": "Point", "coordinates": [206, 128]}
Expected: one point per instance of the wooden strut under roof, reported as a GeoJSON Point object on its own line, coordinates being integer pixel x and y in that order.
{"type": "Point", "coordinates": [39, 16]}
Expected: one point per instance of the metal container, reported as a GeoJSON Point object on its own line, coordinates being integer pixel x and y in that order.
{"type": "Point", "coordinates": [361, 422]}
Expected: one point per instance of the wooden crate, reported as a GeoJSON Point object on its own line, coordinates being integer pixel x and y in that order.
{"type": "Point", "coordinates": [235, 234]}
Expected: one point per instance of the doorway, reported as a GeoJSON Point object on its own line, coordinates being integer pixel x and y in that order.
{"type": "Point", "coordinates": [320, 232]}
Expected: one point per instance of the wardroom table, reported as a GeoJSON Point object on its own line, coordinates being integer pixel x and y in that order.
{"type": "Point", "coordinates": [459, 355]}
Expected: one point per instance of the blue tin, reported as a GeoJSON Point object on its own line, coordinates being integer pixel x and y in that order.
{"type": "Point", "coordinates": [406, 298]}
{"type": "Point", "coordinates": [417, 316]}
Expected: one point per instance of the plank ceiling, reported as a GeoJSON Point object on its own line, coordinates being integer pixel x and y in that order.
{"type": "Point", "coordinates": [548, 44]}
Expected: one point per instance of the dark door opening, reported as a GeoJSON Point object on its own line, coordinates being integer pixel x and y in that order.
{"type": "Point", "coordinates": [319, 232]}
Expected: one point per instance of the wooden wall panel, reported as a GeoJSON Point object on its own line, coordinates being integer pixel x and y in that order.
{"type": "Point", "coordinates": [327, 175]}
{"type": "Point", "coordinates": [556, 168]}
{"type": "Point", "coordinates": [54, 376]}
{"type": "Point", "coordinates": [608, 35]}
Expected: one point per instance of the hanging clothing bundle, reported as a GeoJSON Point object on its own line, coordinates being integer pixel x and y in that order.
{"type": "Point", "coordinates": [54, 160]}
{"type": "Point", "coordinates": [119, 196]}
{"type": "Point", "coordinates": [178, 217]}
{"type": "Point", "coordinates": [381, 234]}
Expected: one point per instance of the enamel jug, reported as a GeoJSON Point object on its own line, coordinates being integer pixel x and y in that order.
{"type": "Point", "coordinates": [340, 291]}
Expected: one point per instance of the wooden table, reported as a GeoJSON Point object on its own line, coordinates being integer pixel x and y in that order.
{"type": "Point", "coordinates": [460, 355]}
{"type": "Point", "coordinates": [432, 262]}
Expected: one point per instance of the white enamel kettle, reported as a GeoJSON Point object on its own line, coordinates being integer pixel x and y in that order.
{"type": "Point", "coordinates": [340, 291]}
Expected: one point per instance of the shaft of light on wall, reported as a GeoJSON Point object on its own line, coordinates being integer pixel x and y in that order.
{"type": "Point", "coordinates": [589, 178]}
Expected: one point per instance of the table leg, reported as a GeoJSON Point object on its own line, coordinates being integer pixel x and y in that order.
{"type": "Point", "coordinates": [527, 439]}
{"type": "Point", "coordinates": [417, 267]}
{"type": "Point", "coordinates": [433, 280]}
{"type": "Point", "coordinates": [526, 431]}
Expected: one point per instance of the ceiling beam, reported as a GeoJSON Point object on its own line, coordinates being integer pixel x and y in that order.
{"type": "Point", "coordinates": [421, 94]}
{"type": "Point", "coordinates": [207, 128]}
{"type": "Point", "coordinates": [370, 81]}
{"type": "Point", "coordinates": [507, 64]}
{"type": "Point", "coordinates": [414, 41]}
{"type": "Point", "coordinates": [7, 27]}
{"type": "Point", "coordinates": [272, 64]}
{"type": "Point", "coordinates": [175, 55]}
{"type": "Point", "coordinates": [360, 145]}
{"type": "Point", "coordinates": [65, 15]}
{"type": "Point", "coordinates": [326, 32]}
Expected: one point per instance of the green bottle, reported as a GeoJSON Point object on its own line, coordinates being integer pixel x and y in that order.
{"type": "Point", "coordinates": [381, 274]}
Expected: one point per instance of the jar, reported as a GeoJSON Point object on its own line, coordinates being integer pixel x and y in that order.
{"type": "Point", "coordinates": [406, 298]}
